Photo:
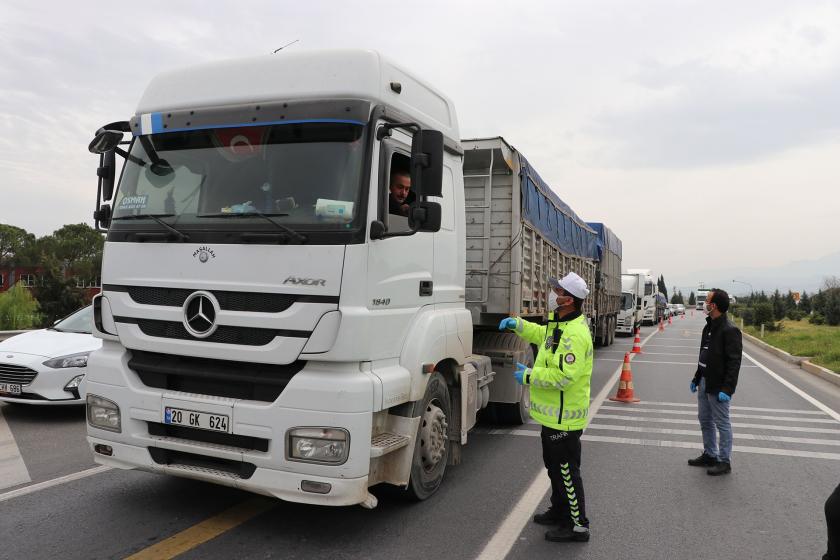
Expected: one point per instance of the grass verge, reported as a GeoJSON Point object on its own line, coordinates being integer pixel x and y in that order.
{"type": "Point", "coordinates": [800, 338]}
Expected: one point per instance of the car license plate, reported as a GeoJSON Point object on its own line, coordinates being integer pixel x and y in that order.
{"type": "Point", "coordinates": [196, 419]}
{"type": "Point", "coordinates": [11, 388]}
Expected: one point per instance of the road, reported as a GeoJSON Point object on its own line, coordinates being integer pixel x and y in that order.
{"type": "Point", "coordinates": [642, 499]}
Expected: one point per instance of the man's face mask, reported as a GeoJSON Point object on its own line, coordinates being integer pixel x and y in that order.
{"type": "Point", "coordinates": [707, 308]}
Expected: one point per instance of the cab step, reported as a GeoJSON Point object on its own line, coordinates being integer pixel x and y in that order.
{"type": "Point", "coordinates": [385, 443]}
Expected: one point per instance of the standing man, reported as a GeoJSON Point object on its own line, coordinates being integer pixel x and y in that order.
{"type": "Point", "coordinates": [716, 378]}
{"type": "Point", "coordinates": [559, 385]}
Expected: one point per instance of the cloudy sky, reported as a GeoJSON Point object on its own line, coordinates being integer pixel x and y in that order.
{"type": "Point", "coordinates": [705, 133]}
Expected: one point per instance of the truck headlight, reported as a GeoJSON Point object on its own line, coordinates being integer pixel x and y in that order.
{"type": "Point", "coordinates": [103, 413]}
{"type": "Point", "coordinates": [71, 360]}
{"type": "Point", "coordinates": [318, 445]}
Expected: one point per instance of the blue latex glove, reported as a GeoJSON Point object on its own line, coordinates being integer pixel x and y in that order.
{"type": "Point", "coordinates": [723, 397]}
{"type": "Point", "coordinates": [519, 374]}
{"type": "Point", "coordinates": [693, 387]}
{"type": "Point", "coordinates": [507, 323]}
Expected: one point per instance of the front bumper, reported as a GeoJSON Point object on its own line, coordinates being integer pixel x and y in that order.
{"type": "Point", "coordinates": [320, 395]}
{"type": "Point", "coordinates": [48, 386]}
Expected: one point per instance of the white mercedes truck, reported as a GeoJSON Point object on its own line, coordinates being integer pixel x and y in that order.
{"type": "Point", "coordinates": [268, 323]}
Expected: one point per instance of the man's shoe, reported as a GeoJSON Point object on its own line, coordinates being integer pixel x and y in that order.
{"type": "Point", "coordinates": [721, 468]}
{"type": "Point", "coordinates": [703, 461]}
{"type": "Point", "coordinates": [548, 517]}
{"type": "Point", "coordinates": [568, 534]}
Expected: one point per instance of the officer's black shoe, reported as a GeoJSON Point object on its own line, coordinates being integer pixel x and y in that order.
{"type": "Point", "coordinates": [568, 534]}
{"type": "Point", "coordinates": [721, 468]}
{"type": "Point", "coordinates": [548, 517]}
{"type": "Point", "coordinates": [703, 461]}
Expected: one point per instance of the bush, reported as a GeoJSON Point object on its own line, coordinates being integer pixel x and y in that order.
{"type": "Point", "coordinates": [816, 319]}
{"type": "Point", "coordinates": [774, 327]}
{"type": "Point", "coordinates": [794, 315]}
{"type": "Point", "coordinates": [748, 315]}
{"type": "Point", "coordinates": [763, 314]}
{"type": "Point", "coordinates": [18, 309]}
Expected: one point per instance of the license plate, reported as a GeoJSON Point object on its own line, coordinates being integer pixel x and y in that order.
{"type": "Point", "coordinates": [11, 388]}
{"type": "Point", "coordinates": [196, 419]}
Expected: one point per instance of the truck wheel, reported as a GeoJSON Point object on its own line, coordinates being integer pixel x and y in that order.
{"type": "Point", "coordinates": [431, 450]}
{"type": "Point", "coordinates": [605, 332]}
{"type": "Point", "coordinates": [611, 330]}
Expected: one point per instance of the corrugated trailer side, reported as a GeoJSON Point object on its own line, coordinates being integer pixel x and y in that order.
{"type": "Point", "coordinates": [607, 292]}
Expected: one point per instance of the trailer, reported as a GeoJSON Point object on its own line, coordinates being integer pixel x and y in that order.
{"type": "Point", "coordinates": [606, 294]}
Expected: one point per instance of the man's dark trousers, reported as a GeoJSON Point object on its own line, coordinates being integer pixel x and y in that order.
{"type": "Point", "coordinates": [561, 455]}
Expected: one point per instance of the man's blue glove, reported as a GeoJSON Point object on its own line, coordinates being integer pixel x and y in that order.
{"type": "Point", "coordinates": [519, 374]}
{"type": "Point", "coordinates": [507, 323]}
{"type": "Point", "coordinates": [693, 387]}
{"type": "Point", "coordinates": [723, 397]}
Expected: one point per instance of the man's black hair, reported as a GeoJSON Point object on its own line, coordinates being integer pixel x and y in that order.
{"type": "Point", "coordinates": [721, 299]}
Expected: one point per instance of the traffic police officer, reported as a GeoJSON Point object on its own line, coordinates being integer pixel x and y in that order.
{"type": "Point", "coordinates": [559, 385]}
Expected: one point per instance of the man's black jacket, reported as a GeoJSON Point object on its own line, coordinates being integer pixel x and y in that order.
{"type": "Point", "coordinates": [724, 357]}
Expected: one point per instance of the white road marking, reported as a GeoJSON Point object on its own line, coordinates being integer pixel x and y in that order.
{"type": "Point", "coordinates": [734, 425]}
{"type": "Point", "coordinates": [695, 346]}
{"type": "Point", "coordinates": [508, 532]}
{"type": "Point", "coordinates": [13, 470]}
{"type": "Point", "coordinates": [50, 483]}
{"type": "Point", "coordinates": [739, 448]}
{"type": "Point", "coordinates": [694, 355]}
{"type": "Point", "coordinates": [634, 409]}
{"type": "Point", "coordinates": [828, 410]}
{"type": "Point", "coordinates": [755, 408]}
{"type": "Point", "coordinates": [664, 363]}
{"type": "Point", "coordinates": [698, 433]}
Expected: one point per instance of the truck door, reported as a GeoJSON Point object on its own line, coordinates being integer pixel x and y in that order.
{"type": "Point", "coordinates": [400, 269]}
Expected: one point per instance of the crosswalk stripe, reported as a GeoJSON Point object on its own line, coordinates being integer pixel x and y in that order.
{"type": "Point", "coordinates": [736, 448]}
{"type": "Point", "coordinates": [636, 360]}
{"type": "Point", "coordinates": [698, 433]}
{"type": "Point", "coordinates": [634, 410]}
{"type": "Point", "coordinates": [734, 424]}
{"type": "Point", "coordinates": [753, 408]}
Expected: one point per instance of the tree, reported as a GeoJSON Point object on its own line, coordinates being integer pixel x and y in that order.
{"type": "Point", "coordinates": [778, 305]}
{"type": "Point", "coordinates": [790, 303]}
{"type": "Point", "coordinates": [661, 287]}
{"type": "Point", "coordinates": [691, 299]}
{"type": "Point", "coordinates": [15, 245]}
{"type": "Point", "coordinates": [76, 248]}
{"type": "Point", "coordinates": [805, 303]}
{"type": "Point", "coordinates": [18, 309]}
{"type": "Point", "coordinates": [763, 314]}
{"type": "Point", "coordinates": [57, 296]}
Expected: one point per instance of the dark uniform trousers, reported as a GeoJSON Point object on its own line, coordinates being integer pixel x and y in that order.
{"type": "Point", "coordinates": [832, 521]}
{"type": "Point", "coordinates": [561, 455]}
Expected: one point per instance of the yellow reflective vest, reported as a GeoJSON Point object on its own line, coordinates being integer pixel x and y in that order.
{"type": "Point", "coordinates": [559, 381]}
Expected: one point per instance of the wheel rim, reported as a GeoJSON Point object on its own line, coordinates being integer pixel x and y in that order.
{"type": "Point", "coordinates": [433, 436]}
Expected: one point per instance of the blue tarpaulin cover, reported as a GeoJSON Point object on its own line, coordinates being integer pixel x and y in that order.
{"type": "Point", "coordinates": [552, 217]}
{"type": "Point", "coordinates": [606, 239]}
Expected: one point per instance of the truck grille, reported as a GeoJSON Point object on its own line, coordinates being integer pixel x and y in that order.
{"type": "Point", "coordinates": [229, 301]}
{"type": "Point", "coordinates": [221, 378]}
{"type": "Point", "coordinates": [248, 443]}
{"type": "Point", "coordinates": [224, 334]}
{"type": "Point", "coordinates": [12, 373]}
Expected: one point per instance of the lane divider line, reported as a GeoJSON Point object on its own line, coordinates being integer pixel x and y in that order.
{"type": "Point", "coordinates": [53, 482]}
{"type": "Point", "coordinates": [206, 530]}
{"type": "Point", "coordinates": [754, 408]}
{"type": "Point", "coordinates": [635, 410]}
{"type": "Point", "coordinates": [508, 532]}
{"type": "Point", "coordinates": [13, 470]}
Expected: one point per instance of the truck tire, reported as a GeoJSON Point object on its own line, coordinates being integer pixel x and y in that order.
{"type": "Point", "coordinates": [611, 330]}
{"type": "Point", "coordinates": [513, 414]}
{"type": "Point", "coordinates": [431, 449]}
{"type": "Point", "coordinates": [604, 339]}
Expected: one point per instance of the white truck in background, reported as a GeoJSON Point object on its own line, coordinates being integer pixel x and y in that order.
{"type": "Point", "coordinates": [268, 324]}
{"type": "Point", "coordinates": [649, 305]}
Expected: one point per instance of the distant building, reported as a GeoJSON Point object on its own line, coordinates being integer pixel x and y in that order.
{"type": "Point", "coordinates": [30, 276]}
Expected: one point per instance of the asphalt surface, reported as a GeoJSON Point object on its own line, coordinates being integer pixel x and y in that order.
{"type": "Point", "coordinates": [642, 499]}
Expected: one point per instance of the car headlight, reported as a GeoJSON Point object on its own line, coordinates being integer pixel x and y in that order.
{"type": "Point", "coordinates": [103, 413]}
{"type": "Point", "coordinates": [318, 445]}
{"type": "Point", "coordinates": [71, 360]}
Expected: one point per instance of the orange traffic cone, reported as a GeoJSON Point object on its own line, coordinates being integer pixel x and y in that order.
{"type": "Point", "coordinates": [637, 344]}
{"type": "Point", "coordinates": [682, 316]}
{"type": "Point", "coordinates": [669, 320]}
{"type": "Point", "coordinates": [661, 326]}
{"type": "Point", "coordinates": [625, 384]}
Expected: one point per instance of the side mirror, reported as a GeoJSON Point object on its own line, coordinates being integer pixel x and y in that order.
{"type": "Point", "coordinates": [105, 141]}
{"type": "Point", "coordinates": [427, 163]}
{"type": "Point", "coordinates": [106, 174]}
{"type": "Point", "coordinates": [424, 216]}
{"type": "Point", "coordinates": [102, 216]}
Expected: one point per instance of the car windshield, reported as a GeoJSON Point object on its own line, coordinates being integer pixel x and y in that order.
{"type": "Point", "coordinates": [79, 322]}
{"type": "Point", "coordinates": [306, 174]}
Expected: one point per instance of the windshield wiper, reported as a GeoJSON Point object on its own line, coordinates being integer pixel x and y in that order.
{"type": "Point", "coordinates": [299, 237]}
{"type": "Point", "coordinates": [157, 217]}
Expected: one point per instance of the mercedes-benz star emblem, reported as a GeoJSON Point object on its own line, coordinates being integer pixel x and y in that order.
{"type": "Point", "coordinates": [200, 314]}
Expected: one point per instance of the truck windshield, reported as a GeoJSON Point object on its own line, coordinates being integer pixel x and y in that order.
{"type": "Point", "coordinates": [626, 301]}
{"type": "Point", "coordinates": [305, 175]}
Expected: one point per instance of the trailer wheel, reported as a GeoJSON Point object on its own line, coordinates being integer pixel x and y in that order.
{"type": "Point", "coordinates": [431, 450]}
{"type": "Point", "coordinates": [611, 330]}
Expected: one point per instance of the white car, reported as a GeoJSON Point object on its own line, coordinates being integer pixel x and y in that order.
{"type": "Point", "coordinates": [47, 366]}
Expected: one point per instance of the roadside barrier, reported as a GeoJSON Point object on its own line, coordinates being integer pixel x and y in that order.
{"type": "Point", "coordinates": [625, 384]}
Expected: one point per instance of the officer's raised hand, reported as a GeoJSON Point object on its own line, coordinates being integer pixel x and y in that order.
{"type": "Point", "coordinates": [519, 374]}
{"type": "Point", "coordinates": [507, 323]}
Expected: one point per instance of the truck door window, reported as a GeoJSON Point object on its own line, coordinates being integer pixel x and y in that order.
{"type": "Point", "coordinates": [399, 193]}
